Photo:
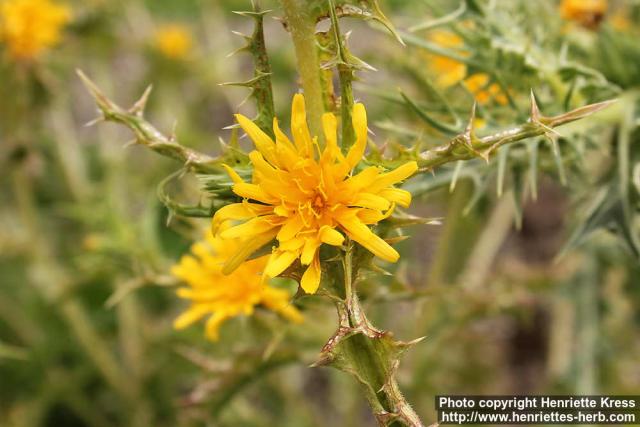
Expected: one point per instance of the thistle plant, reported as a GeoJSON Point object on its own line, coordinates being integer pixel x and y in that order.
{"type": "Point", "coordinates": [322, 207]}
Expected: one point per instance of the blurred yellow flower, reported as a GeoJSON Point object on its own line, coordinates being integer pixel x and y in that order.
{"type": "Point", "coordinates": [301, 195]}
{"type": "Point", "coordinates": [620, 21]}
{"type": "Point", "coordinates": [174, 41]}
{"type": "Point", "coordinates": [225, 296]}
{"type": "Point", "coordinates": [446, 71]}
{"type": "Point", "coordinates": [588, 13]}
{"type": "Point", "coordinates": [478, 85]}
{"type": "Point", "coordinates": [29, 27]}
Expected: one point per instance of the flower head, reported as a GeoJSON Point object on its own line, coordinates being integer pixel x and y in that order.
{"type": "Point", "coordinates": [225, 296]}
{"type": "Point", "coordinates": [447, 71]}
{"type": "Point", "coordinates": [174, 41]}
{"type": "Point", "coordinates": [304, 197]}
{"type": "Point", "coordinates": [588, 13]}
{"type": "Point", "coordinates": [29, 27]}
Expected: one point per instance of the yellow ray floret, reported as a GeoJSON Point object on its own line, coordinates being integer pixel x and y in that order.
{"type": "Point", "coordinates": [29, 27]}
{"type": "Point", "coordinates": [220, 296]}
{"type": "Point", "coordinates": [304, 198]}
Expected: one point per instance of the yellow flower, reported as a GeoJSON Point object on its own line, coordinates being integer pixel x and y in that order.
{"type": "Point", "coordinates": [447, 71]}
{"type": "Point", "coordinates": [225, 296]}
{"type": "Point", "coordinates": [301, 196]}
{"type": "Point", "coordinates": [478, 85]}
{"type": "Point", "coordinates": [620, 21]}
{"type": "Point", "coordinates": [174, 41]}
{"type": "Point", "coordinates": [588, 13]}
{"type": "Point", "coordinates": [29, 27]}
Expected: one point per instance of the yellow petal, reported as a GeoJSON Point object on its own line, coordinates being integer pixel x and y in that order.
{"type": "Point", "coordinates": [213, 325]}
{"type": "Point", "coordinates": [330, 126]}
{"type": "Point", "coordinates": [237, 211]}
{"type": "Point", "coordinates": [253, 192]}
{"type": "Point", "coordinates": [261, 165]}
{"type": "Point", "coordinates": [299, 128]}
{"type": "Point", "coordinates": [368, 216]}
{"type": "Point", "coordinates": [363, 179]}
{"type": "Point", "coordinates": [290, 228]}
{"type": "Point", "coordinates": [363, 235]}
{"type": "Point", "coordinates": [398, 174]}
{"type": "Point", "coordinates": [311, 277]}
{"type": "Point", "coordinates": [330, 236]}
{"type": "Point", "coordinates": [371, 201]}
{"type": "Point", "coordinates": [233, 174]}
{"type": "Point", "coordinates": [278, 301]}
{"type": "Point", "coordinates": [396, 195]}
{"type": "Point", "coordinates": [247, 249]}
{"type": "Point", "coordinates": [279, 261]}
{"type": "Point", "coordinates": [281, 138]}
{"type": "Point", "coordinates": [261, 140]}
{"type": "Point", "coordinates": [249, 228]}
{"type": "Point", "coordinates": [359, 120]}
{"type": "Point", "coordinates": [309, 250]}
{"type": "Point", "coordinates": [292, 244]}
{"type": "Point", "coordinates": [192, 315]}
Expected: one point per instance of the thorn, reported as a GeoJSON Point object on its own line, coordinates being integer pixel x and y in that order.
{"type": "Point", "coordinates": [94, 121]}
{"type": "Point", "coordinates": [255, 14]}
{"type": "Point", "coordinates": [470, 129]}
{"type": "Point", "coordinates": [383, 148]}
{"type": "Point", "coordinates": [537, 118]}
{"type": "Point", "coordinates": [170, 216]}
{"type": "Point", "coordinates": [243, 35]}
{"type": "Point", "coordinates": [469, 135]}
{"type": "Point", "coordinates": [414, 341]}
{"type": "Point", "coordinates": [237, 51]}
{"type": "Point", "coordinates": [246, 98]}
{"type": "Point", "coordinates": [174, 127]}
{"type": "Point", "coordinates": [129, 143]}
{"type": "Point", "coordinates": [251, 83]}
{"type": "Point", "coordinates": [535, 111]}
{"type": "Point", "coordinates": [103, 102]}
{"type": "Point", "coordinates": [223, 145]}
{"type": "Point", "coordinates": [139, 106]}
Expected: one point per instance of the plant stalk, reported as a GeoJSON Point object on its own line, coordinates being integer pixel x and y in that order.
{"type": "Point", "coordinates": [302, 26]}
{"type": "Point", "coordinates": [372, 356]}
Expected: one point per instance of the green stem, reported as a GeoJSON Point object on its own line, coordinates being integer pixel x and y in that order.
{"type": "Point", "coordinates": [467, 145]}
{"type": "Point", "coordinates": [372, 361]}
{"type": "Point", "coordinates": [302, 26]}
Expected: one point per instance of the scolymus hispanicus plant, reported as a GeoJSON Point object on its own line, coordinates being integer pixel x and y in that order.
{"type": "Point", "coordinates": [317, 202]}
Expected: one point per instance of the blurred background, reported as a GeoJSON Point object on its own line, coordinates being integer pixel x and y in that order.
{"type": "Point", "coordinates": [529, 286]}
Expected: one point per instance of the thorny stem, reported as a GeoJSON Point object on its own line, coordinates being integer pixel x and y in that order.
{"type": "Point", "coordinates": [145, 133]}
{"type": "Point", "coordinates": [372, 366]}
{"type": "Point", "coordinates": [462, 147]}
{"type": "Point", "coordinates": [302, 26]}
{"type": "Point", "coordinates": [467, 145]}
